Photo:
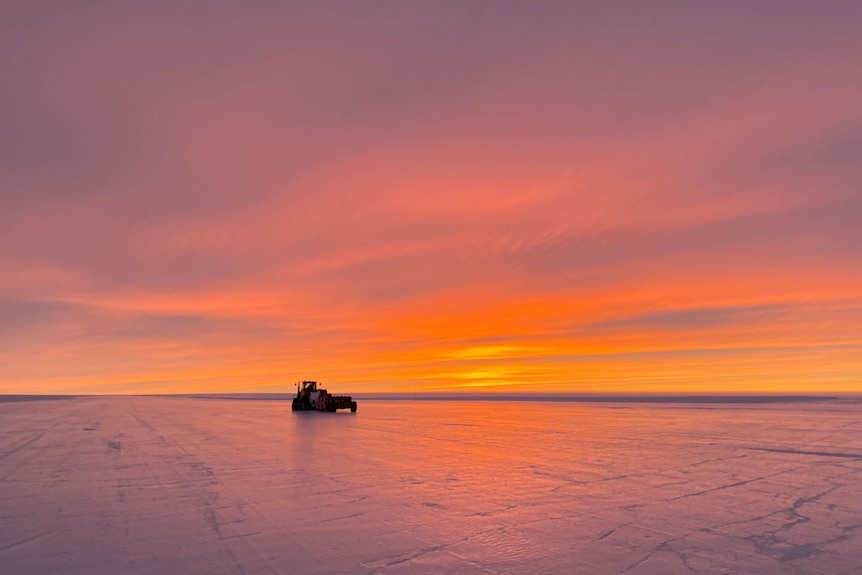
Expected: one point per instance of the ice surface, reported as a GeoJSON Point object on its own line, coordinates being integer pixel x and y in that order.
{"type": "Point", "coordinates": [189, 485]}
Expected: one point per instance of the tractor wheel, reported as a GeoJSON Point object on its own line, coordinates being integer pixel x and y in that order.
{"type": "Point", "coordinates": [295, 405]}
{"type": "Point", "coordinates": [353, 407]}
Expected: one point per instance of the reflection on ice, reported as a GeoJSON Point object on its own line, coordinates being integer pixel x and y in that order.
{"type": "Point", "coordinates": [184, 485]}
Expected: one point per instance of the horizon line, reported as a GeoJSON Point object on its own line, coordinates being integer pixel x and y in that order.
{"type": "Point", "coordinates": [573, 397]}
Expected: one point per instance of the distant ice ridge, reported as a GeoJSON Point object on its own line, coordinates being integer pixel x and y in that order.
{"type": "Point", "coordinates": [106, 485]}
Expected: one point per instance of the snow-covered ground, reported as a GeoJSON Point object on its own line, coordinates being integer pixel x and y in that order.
{"type": "Point", "coordinates": [113, 485]}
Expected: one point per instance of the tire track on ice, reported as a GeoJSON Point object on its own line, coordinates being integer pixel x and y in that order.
{"type": "Point", "coordinates": [22, 446]}
{"type": "Point", "coordinates": [24, 541]}
{"type": "Point", "coordinates": [203, 487]}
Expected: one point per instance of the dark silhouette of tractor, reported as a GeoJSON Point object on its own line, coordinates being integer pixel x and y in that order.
{"type": "Point", "coordinates": [309, 397]}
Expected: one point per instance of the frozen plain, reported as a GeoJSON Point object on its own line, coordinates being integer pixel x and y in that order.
{"type": "Point", "coordinates": [107, 485]}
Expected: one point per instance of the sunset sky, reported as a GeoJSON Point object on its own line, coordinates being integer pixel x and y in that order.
{"type": "Point", "coordinates": [431, 196]}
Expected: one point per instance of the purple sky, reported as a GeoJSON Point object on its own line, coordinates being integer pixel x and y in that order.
{"type": "Point", "coordinates": [425, 195]}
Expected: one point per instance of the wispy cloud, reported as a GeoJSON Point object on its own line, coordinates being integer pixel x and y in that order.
{"type": "Point", "coordinates": [697, 318]}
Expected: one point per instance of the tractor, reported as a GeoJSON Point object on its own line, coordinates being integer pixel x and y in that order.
{"type": "Point", "coordinates": [310, 397]}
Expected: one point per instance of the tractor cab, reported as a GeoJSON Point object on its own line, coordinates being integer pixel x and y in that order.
{"type": "Point", "coordinates": [307, 393]}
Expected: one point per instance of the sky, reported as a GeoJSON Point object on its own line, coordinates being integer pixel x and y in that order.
{"type": "Point", "coordinates": [535, 197]}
